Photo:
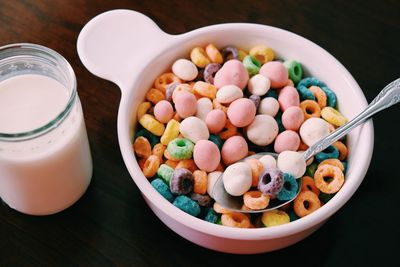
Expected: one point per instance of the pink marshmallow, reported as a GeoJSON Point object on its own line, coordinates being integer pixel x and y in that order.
{"type": "Point", "coordinates": [206, 155]}
{"type": "Point", "coordinates": [241, 112]}
{"type": "Point", "coordinates": [276, 72]}
{"type": "Point", "coordinates": [216, 120]}
{"type": "Point", "coordinates": [287, 140]}
{"type": "Point", "coordinates": [232, 72]}
{"type": "Point", "coordinates": [292, 118]}
{"type": "Point", "coordinates": [163, 111]}
{"type": "Point", "coordinates": [288, 97]}
{"type": "Point", "coordinates": [235, 148]}
{"type": "Point", "coordinates": [185, 104]}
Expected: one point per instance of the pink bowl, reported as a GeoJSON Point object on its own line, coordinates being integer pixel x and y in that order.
{"type": "Point", "coordinates": [129, 49]}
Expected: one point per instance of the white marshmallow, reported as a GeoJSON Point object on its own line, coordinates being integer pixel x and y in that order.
{"type": "Point", "coordinates": [228, 93]}
{"type": "Point", "coordinates": [259, 85]}
{"type": "Point", "coordinates": [211, 180]}
{"type": "Point", "coordinates": [237, 178]}
{"type": "Point", "coordinates": [313, 130]}
{"type": "Point", "coordinates": [268, 161]}
{"type": "Point", "coordinates": [268, 106]}
{"type": "Point", "coordinates": [194, 129]}
{"type": "Point", "coordinates": [185, 69]}
{"type": "Point", "coordinates": [263, 130]}
{"type": "Point", "coordinates": [292, 162]}
{"type": "Point", "coordinates": [204, 105]}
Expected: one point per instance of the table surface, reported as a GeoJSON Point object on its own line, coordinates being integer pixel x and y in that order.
{"type": "Point", "coordinates": [111, 226]}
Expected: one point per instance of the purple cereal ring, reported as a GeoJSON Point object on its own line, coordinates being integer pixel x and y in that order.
{"type": "Point", "coordinates": [202, 200]}
{"type": "Point", "coordinates": [210, 71]}
{"type": "Point", "coordinates": [181, 182]}
{"type": "Point", "coordinates": [200, 75]}
{"type": "Point", "coordinates": [270, 181]}
{"type": "Point", "coordinates": [230, 50]}
{"type": "Point", "coordinates": [170, 90]}
{"type": "Point", "coordinates": [256, 100]}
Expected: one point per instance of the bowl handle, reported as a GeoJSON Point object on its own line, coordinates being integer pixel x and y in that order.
{"type": "Point", "coordinates": [116, 43]}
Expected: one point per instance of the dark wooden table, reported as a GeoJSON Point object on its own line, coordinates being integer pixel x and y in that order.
{"type": "Point", "coordinates": [111, 225]}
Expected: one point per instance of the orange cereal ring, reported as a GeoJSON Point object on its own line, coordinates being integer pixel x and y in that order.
{"type": "Point", "coordinates": [328, 178]}
{"type": "Point", "coordinates": [220, 167]}
{"type": "Point", "coordinates": [142, 147]}
{"type": "Point", "coordinates": [204, 89]}
{"type": "Point", "coordinates": [199, 57]}
{"type": "Point", "coordinates": [171, 163]}
{"type": "Point", "coordinates": [310, 109]}
{"type": "Point", "coordinates": [213, 54]}
{"type": "Point", "coordinates": [305, 203]}
{"type": "Point", "coordinates": [255, 200]}
{"type": "Point", "coordinates": [155, 95]}
{"type": "Point", "coordinates": [235, 219]}
{"type": "Point", "coordinates": [187, 164]}
{"type": "Point", "coordinates": [307, 184]}
{"type": "Point", "coordinates": [256, 169]}
{"type": "Point", "coordinates": [141, 163]}
{"type": "Point", "coordinates": [151, 166]}
{"type": "Point", "coordinates": [200, 182]}
{"type": "Point", "coordinates": [217, 105]}
{"type": "Point", "coordinates": [164, 80]}
{"type": "Point", "coordinates": [319, 95]}
{"type": "Point", "coordinates": [302, 146]}
{"type": "Point", "coordinates": [334, 162]}
{"type": "Point", "coordinates": [142, 109]}
{"type": "Point", "coordinates": [229, 130]}
{"type": "Point", "coordinates": [219, 209]}
{"type": "Point", "coordinates": [343, 151]}
{"type": "Point", "coordinates": [158, 150]}
{"type": "Point", "coordinates": [177, 117]}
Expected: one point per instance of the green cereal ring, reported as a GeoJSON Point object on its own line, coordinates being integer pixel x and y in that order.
{"type": "Point", "coordinates": [151, 137]}
{"type": "Point", "coordinates": [187, 205]}
{"type": "Point", "coordinates": [295, 70]}
{"type": "Point", "coordinates": [211, 216]}
{"type": "Point", "coordinates": [181, 148]}
{"type": "Point", "coordinates": [310, 170]}
{"type": "Point", "coordinates": [165, 172]}
{"type": "Point", "coordinates": [216, 140]}
{"type": "Point", "coordinates": [252, 65]}
{"type": "Point", "coordinates": [163, 189]}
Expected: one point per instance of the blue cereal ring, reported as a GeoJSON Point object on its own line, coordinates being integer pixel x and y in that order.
{"type": "Point", "coordinates": [330, 152]}
{"type": "Point", "coordinates": [289, 189]}
{"type": "Point", "coordinates": [211, 216]}
{"type": "Point", "coordinates": [331, 99]}
{"type": "Point", "coordinates": [181, 148]}
{"type": "Point", "coordinates": [272, 93]}
{"type": "Point", "coordinates": [216, 140]}
{"type": "Point", "coordinates": [304, 93]}
{"type": "Point", "coordinates": [187, 205]}
{"type": "Point", "coordinates": [163, 189]}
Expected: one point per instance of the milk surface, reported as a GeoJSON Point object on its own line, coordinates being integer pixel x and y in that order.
{"type": "Point", "coordinates": [49, 173]}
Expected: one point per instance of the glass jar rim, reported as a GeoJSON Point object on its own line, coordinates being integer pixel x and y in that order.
{"type": "Point", "coordinates": [45, 51]}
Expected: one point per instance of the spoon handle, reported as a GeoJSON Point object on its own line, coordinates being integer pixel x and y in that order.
{"type": "Point", "coordinates": [389, 96]}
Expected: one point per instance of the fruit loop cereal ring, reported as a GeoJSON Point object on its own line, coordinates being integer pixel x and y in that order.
{"type": "Point", "coordinates": [306, 94]}
{"type": "Point", "coordinates": [142, 109]}
{"type": "Point", "coordinates": [158, 150]}
{"type": "Point", "coordinates": [262, 53]}
{"type": "Point", "coordinates": [209, 72]}
{"type": "Point", "coordinates": [187, 164]}
{"type": "Point", "coordinates": [151, 166]}
{"type": "Point", "coordinates": [319, 95]}
{"type": "Point", "coordinates": [307, 184]}
{"type": "Point", "coordinates": [343, 151]}
{"type": "Point", "coordinates": [187, 205]}
{"type": "Point", "coordinates": [171, 163]}
{"type": "Point", "coordinates": [219, 209]}
{"type": "Point", "coordinates": [202, 200]}
{"type": "Point", "coordinates": [165, 172]}
{"type": "Point", "coordinates": [142, 147]}
{"type": "Point", "coordinates": [230, 52]}
{"type": "Point", "coordinates": [141, 163]}
{"type": "Point", "coordinates": [333, 116]}
{"type": "Point", "coordinates": [218, 105]}
{"type": "Point", "coordinates": [151, 137]}
{"type": "Point", "coordinates": [256, 169]}
{"type": "Point", "coordinates": [228, 131]}
{"type": "Point", "coordinates": [310, 109]}
{"type": "Point", "coordinates": [252, 65]}
{"type": "Point", "coordinates": [155, 95]}
{"type": "Point", "coordinates": [294, 69]}
{"type": "Point", "coordinates": [163, 189]}
{"type": "Point", "coordinates": [255, 200]}
{"type": "Point", "coordinates": [181, 182]}
{"type": "Point", "coordinates": [171, 132]}
{"type": "Point", "coordinates": [235, 219]}
{"type": "Point", "coordinates": [165, 79]}
{"type": "Point", "coordinates": [274, 218]}
{"type": "Point", "coordinates": [289, 189]}
{"type": "Point", "coordinates": [328, 178]}
{"type": "Point", "coordinates": [310, 170]}
{"type": "Point", "coordinates": [211, 216]}
{"type": "Point", "coordinates": [330, 152]}
{"type": "Point", "coordinates": [205, 89]}
{"type": "Point", "coordinates": [200, 182]}
{"type": "Point", "coordinates": [213, 54]}
{"type": "Point", "coordinates": [334, 162]}
{"type": "Point", "coordinates": [170, 90]}
{"type": "Point", "coordinates": [152, 125]}
{"type": "Point", "coordinates": [180, 148]}
{"type": "Point", "coordinates": [305, 203]}
{"type": "Point", "coordinates": [256, 100]}
{"type": "Point", "coordinates": [199, 57]}
{"type": "Point", "coordinates": [270, 182]}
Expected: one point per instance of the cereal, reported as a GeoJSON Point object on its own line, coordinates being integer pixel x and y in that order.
{"type": "Point", "coordinates": [310, 109]}
{"type": "Point", "coordinates": [164, 80]}
{"type": "Point", "coordinates": [328, 178]}
{"type": "Point", "coordinates": [210, 71]}
{"type": "Point", "coordinates": [211, 216]}
{"type": "Point", "coordinates": [307, 82]}
{"type": "Point", "coordinates": [187, 164]}
{"type": "Point", "coordinates": [289, 189]}
{"type": "Point", "coordinates": [158, 150]}
{"type": "Point", "coordinates": [151, 137]}
{"type": "Point", "coordinates": [202, 200]}
{"type": "Point", "coordinates": [205, 89]}
{"type": "Point", "coordinates": [256, 169]}
{"type": "Point", "coordinates": [213, 54]}
{"type": "Point", "coordinates": [309, 185]}
{"type": "Point", "coordinates": [181, 182]}
{"type": "Point", "coordinates": [220, 209]}
{"type": "Point", "coordinates": [187, 205]}
{"type": "Point", "coordinates": [328, 153]}
{"type": "Point", "coordinates": [180, 148]}
{"type": "Point", "coordinates": [343, 151]}
{"type": "Point", "coordinates": [252, 65]}
{"type": "Point", "coordinates": [235, 219]}
{"type": "Point", "coordinates": [294, 69]}
{"type": "Point", "coordinates": [228, 131]}
{"type": "Point", "coordinates": [142, 109]}
{"type": "Point", "coordinates": [199, 57]}
{"type": "Point", "coordinates": [270, 182]}
{"type": "Point", "coordinates": [305, 203]}
{"type": "Point", "coordinates": [142, 147]}
{"type": "Point", "coordinates": [274, 218]}
{"type": "Point", "coordinates": [171, 132]}
{"type": "Point", "coordinates": [163, 189]}
{"type": "Point", "coordinates": [152, 125]}
{"type": "Point", "coordinates": [165, 172]}
{"type": "Point", "coordinates": [255, 200]}
{"type": "Point", "coordinates": [319, 95]}
{"type": "Point", "coordinates": [151, 166]}
{"type": "Point", "coordinates": [155, 95]}
{"type": "Point", "coordinates": [262, 53]}
{"type": "Point", "coordinates": [333, 116]}
{"type": "Point", "coordinates": [334, 162]}
{"type": "Point", "coordinates": [200, 182]}
{"type": "Point", "coordinates": [256, 100]}
{"type": "Point", "coordinates": [230, 52]}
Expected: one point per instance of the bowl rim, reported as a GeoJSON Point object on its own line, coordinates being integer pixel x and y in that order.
{"type": "Point", "coordinates": [197, 224]}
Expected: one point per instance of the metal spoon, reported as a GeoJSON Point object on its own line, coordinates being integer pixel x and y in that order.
{"type": "Point", "coordinates": [389, 96]}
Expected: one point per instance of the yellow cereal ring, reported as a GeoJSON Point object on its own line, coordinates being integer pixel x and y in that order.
{"type": "Point", "coordinates": [152, 125]}
{"type": "Point", "coordinates": [319, 95]}
{"type": "Point", "coordinates": [171, 132]}
{"type": "Point", "coordinates": [333, 116]}
{"type": "Point", "coordinates": [155, 95]}
{"type": "Point", "coordinates": [200, 182]}
{"type": "Point", "coordinates": [219, 209]}
{"type": "Point", "coordinates": [305, 203]}
{"type": "Point", "coordinates": [205, 89]}
{"type": "Point", "coordinates": [151, 166]}
{"type": "Point", "coordinates": [158, 150]}
{"type": "Point", "coordinates": [255, 200]}
{"type": "Point", "coordinates": [142, 147]}
{"type": "Point", "coordinates": [217, 105]}
{"type": "Point", "coordinates": [142, 109]}
{"type": "Point", "coordinates": [213, 54]}
{"type": "Point", "coordinates": [343, 151]}
{"type": "Point", "coordinates": [242, 54]}
{"type": "Point", "coordinates": [165, 79]}
{"type": "Point", "coordinates": [334, 162]}
{"type": "Point", "coordinates": [235, 219]}
{"type": "Point", "coordinates": [310, 109]}
{"type": "Point", "coordinates": [274, 218]}
{"type": "Point", "coordinates": [328, 178]}
{"type": "Point", "coordinates": [187, 164]}
{"type": "Point", "coordinates": [199, 57]}
{"type": "Point", "coordinates": [262, 53]}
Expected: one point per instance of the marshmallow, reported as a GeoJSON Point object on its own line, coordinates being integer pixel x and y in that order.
{"type": "Point", "coordinates": [211, 180]}
{"type": "Point", "coordinates": [194, 129]}
{"type": "Point", "coordinates": [228, 93]}
{"type": "Point", "coordinates": [185, 69]}
{"type": "Point", "coordinates": [263, 130]}
{"type": "Point", "coordinates": [237, 178]}
{"type": "Point", "coordinates": [268, 161]}
{"type": "Point", "coordinates": [292, 162]}
{"type": "Point", "coordinates": [268, 106]}
{"type": "Point", "coordinates": [259, 85]}
{"type": "Point", "coordinates": [204, 106]}
{"type": "Point", "coordinates": [313, 130]}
